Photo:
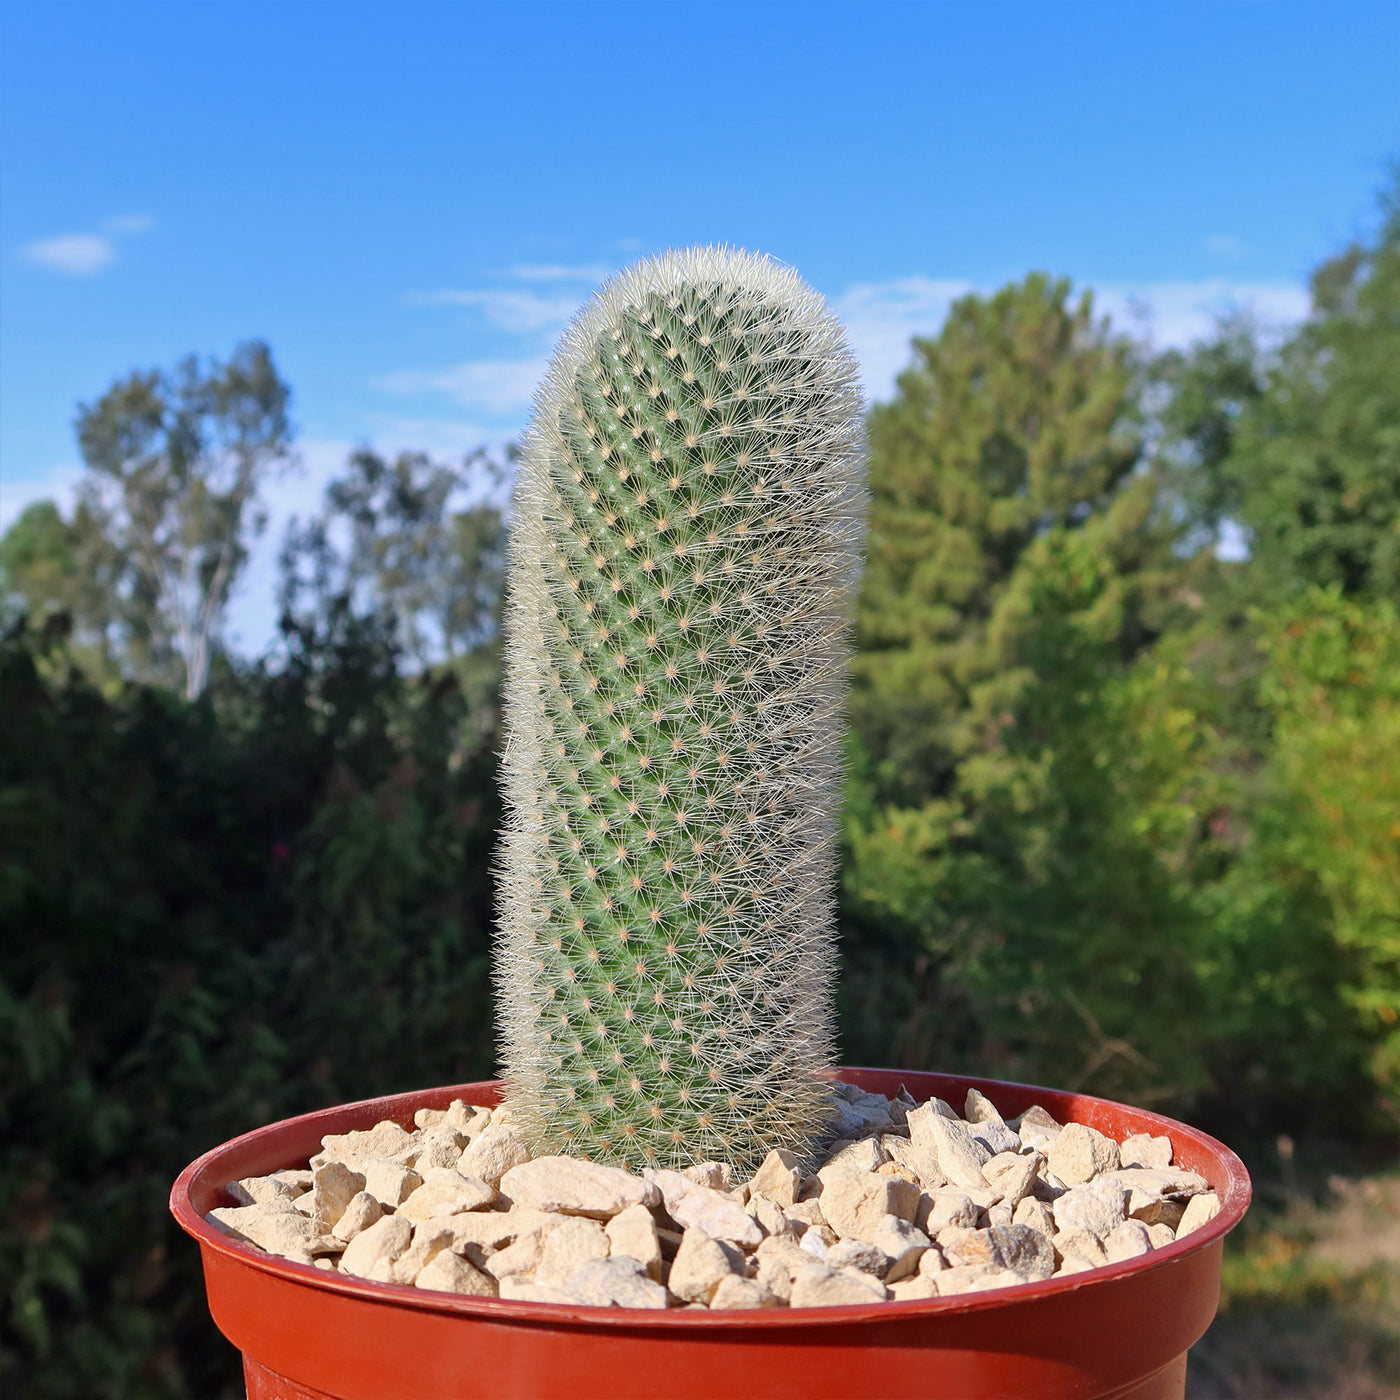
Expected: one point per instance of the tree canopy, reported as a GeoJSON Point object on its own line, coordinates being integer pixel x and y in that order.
{"type": "Point", "coordinates": [176, 461]}
{"type": "Point", "coordinates": [1019, 420]}
{"type": "Point", "coordinates": [1315, 471]}
{"type": "Point", "coordinates": [393, 539]}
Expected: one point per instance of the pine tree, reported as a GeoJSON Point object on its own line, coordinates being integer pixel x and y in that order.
{"type": "Point", "coordinates": [1017, 419]}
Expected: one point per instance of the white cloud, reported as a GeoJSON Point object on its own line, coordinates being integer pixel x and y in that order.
{"type": "Point", "coordinates": [84, 254]}
{"type": "Point", "coordinates": [439, 437]}
{"type": "Point", "coordinates": [129, 223]}
{"type": "Point", "coordinates": [517, 311]}
{"type": "Point", "coordinates": [74, 254]}
{"type": "Point", "coordinates": [1223, 245]}
{"type": "Point", "coordinates": [1173, 314]}
{"type": "Point", "coordinates": [59, 484]}
{"type": "Point", "coordinates": [559, 272]}
{"type": "Point", "coordinates": [881, 317]}
{"type": "Point", "coordinates": [492, 386]}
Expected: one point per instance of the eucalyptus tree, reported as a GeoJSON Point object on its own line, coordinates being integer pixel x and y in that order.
{"type": "Point", "coordinates": [176, 462]}
{"type": "Point", "coordinates": [416, 544]}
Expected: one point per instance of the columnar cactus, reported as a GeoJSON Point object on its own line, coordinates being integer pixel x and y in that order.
{"type": "Point", "coordinates": [683, 560]}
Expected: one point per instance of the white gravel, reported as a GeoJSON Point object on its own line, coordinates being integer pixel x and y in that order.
{"type": "Point", "coordinates": [910, 1202]}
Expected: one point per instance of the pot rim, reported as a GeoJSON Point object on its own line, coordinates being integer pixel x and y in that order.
{"type": "Point", "coordinates": [1234, 1191]}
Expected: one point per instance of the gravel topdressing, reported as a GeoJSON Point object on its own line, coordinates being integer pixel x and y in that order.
{"type": "Point", "coordinates": [912, 1201]}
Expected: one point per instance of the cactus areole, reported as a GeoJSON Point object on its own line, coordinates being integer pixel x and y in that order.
{"type": "Point", "coordinates": [684, 554]}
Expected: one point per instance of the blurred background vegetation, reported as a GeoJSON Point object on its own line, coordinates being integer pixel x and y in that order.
{"type": "Point", "coordinates": [1123, 809]}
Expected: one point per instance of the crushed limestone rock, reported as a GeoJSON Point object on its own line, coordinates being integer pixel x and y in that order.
{"type": "Point", "coordinates": [909, 1202]}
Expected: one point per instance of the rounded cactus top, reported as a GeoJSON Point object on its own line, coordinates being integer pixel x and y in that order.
{"type": "Point", "coordinates": [684, 553]}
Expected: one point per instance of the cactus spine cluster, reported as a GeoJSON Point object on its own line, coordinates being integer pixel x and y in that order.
{"type": "Point", "coordinates": [682, 563]}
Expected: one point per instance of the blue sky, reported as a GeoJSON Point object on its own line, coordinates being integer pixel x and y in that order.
{"type": "Point", "coordinates": [408, 199]}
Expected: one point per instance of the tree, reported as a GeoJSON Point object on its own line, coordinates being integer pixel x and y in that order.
{"type": "Point", "coordinates": [176, 461]}
{"type": "Point", "coordinates": [1020, 417]}
{"type": "Point", "coordinates": [38, 562]}
{"type": "Point", "coordinates": [1204, 392]}
{"type": "Point", "coordinates": [1333, 688]}
{"type": "Point", "coordinates": [388, 542]}
{"type": "Point", "coordinates": [67, 576]}
{"type": "Point", "coordinates": [1315, 467]}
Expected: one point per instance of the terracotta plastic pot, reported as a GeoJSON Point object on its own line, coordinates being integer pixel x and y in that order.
{"type": "Point", "coordinates": [1121, 1331]}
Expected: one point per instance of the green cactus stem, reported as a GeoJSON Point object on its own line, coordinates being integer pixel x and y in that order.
{"type": "Point", "coordinates": [683, 560]}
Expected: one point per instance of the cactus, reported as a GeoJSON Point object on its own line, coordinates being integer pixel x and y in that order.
{"type": "Point", "coordinates": [682, 565]}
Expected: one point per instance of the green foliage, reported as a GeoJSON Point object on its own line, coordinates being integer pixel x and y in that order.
{"type": "Point", "coordinates": [1113, 901]}
{"type": "Point", "coordinates": [1080, 953]}
{"type": "Point", "coordinates": [216, 915]}
{"type": "Point", "coordinates": [1206, 391]}
{"type": "Point", "coordinates": [682, 561]}
{"type": "Point", "coordinates": [67, 574]}
{"type": "Point", "coordinates": [1045, 884]}
{"type": "Point", "coordinates": [39, 561]}
{"type": "Point", "coordinates": [1317, 465]}
{"type": "Point", "coordinates": [1333, 686]}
